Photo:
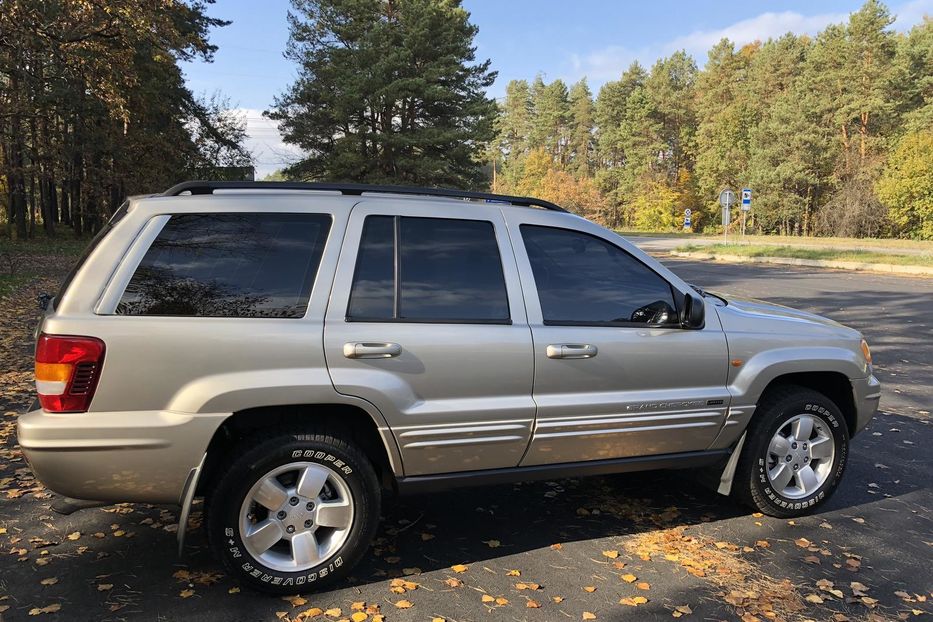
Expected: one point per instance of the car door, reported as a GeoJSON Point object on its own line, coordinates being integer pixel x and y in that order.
{"type": "Point", "coordinates": [615, 374]}
{"type": "Point", "coordinates": [427, 322]}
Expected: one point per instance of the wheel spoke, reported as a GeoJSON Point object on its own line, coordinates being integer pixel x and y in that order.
{"type": "Point", "coordinates": [803, 428]}
{"type": "Point", "coordinates": [264, 535]}
{"type": "Point", "coordinates": [780, 476]}
{"type": "Point", "coordinates": [821, 448]}
{"type": "Point", "coordinates": [808, 480]}
{"type": "Point", "coordinates": [305, 550]}
{"type": "Point", "coordinates": [311, 481]}
{"type": "Point", "coordinates": [780, 446]}
{"type": "Point", "coordinates": [271, 494]}
{"type": "Point", "coordinates": [334, 514]}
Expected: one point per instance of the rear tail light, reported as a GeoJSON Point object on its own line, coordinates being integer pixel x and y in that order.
{"type": "Point", "coordinates": [67, 370]}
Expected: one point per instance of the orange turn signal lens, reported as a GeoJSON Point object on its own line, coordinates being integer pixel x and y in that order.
{"type": "Point", "coordinates": [866, 351]}
{"type": "Point", "coordinates": [53, 372]}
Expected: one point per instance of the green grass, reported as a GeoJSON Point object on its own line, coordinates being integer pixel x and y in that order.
{"type": "Point", "coordinates": [797, 252]}
{"type": "Point", "coordinates": [24, 261]}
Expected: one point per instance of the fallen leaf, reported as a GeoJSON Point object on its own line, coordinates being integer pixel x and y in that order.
{"type": "Point", "coordinates": [802, 542]}
{"type": "Point", "coordinates": [493, 544]}
{"type": "Point", "coordinates": [513, 573]}
{"type": "Point", "coordinates": [589, 616]}
{"type": "Point", "coordinates": [527, 586]}
{"type": "Point", "coordinates": [74, 535]}
{"type": "Point", "coordinates": [589, 588]}
{"type": "Point", "coordinates": [629, 578]}
{"type": "Point", "coordinates": [502, 601]}
{"type": "Point", "coordinates": [104, 587]}
{"type": "Point", "coordinates": [814, 598]}
{"type": "Point", "coordinates": [313, 612]}
{"type": "Point", "coordinates": [556, 547]}
{"type": "Point", "coordinates": [558, 599]}
{"type": "Point", "coordinates": [532, 604]}
{"type": "Point", "coordinates": [404, 604]}
{"type": "Point", "coordinates": [336, 612]}
{"type": "Point", "coordinates": [233, 590]}
{"type": "Point", "coordinates": [812, 559]}
{"type": "Point", "coordinates": [296, 601]}
{"type": "Point", "coordinates": [53, 608]}
{"type": "Point", "coordinates": [633, 601]}
{"type": "Point", "coordinates": [186, 593]}
{"type": "Point", "coordinates": [643, 586]}
{"type": "Point", "coordinates": [487, 598]}
{"type": "Point", "coordinates": [358, 616]}
{"type": "Point", "coordinates": [427, 536]}
{"type": "Point", "coordinates": [459, 568]}
{"type": "Point", "coordinates": [452, 582]}
{"type": "Point", "coordinates": [49, 581]}
{"type": "Point", "coordinates": [763, 544]}
{"type": "Point", "coordinates": [610, 554]}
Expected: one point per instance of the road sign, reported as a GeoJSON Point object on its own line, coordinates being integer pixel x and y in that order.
{"type": "Point", "coordinates": [727, 198]}
{"type": "Point", "coordinates": [688, 212]}
{"type": "Point", "coordinates": [746, 199]}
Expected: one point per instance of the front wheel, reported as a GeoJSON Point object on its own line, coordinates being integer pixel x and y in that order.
{"type": "Point", "coordinates": [294, 512]}
{"type": "Point", "coordinates": [794, 454]}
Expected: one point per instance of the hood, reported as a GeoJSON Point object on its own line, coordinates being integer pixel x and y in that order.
{"type": "Point", "coordinates": [750, 315]}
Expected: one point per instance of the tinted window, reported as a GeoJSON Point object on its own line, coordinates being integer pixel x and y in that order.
{"type": "Point", "coordinates": [448, 270]}
{"type": "Point", "coordinates": [229, 265]}
{"type": "Point", "coordinates": [586, 280]}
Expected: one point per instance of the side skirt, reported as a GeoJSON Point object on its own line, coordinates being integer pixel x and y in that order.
{"type": "Point", "coordinates": [430, 483]}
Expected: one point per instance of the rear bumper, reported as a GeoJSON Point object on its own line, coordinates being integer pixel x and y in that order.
{"type": "Point", "coordinates": [867, 395]}
{"type": "Point", "coordinates": [143, 456]}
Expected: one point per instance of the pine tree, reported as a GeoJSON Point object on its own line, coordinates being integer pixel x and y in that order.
{"type": "Point", "coordinates": [581, 140]}
{"type": "Point", "coordinates": [389, 91]}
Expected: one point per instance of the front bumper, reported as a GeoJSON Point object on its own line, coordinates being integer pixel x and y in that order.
{"type": "Point", "coordinates": [867, 395]}
{"type": "Point", "coordinates": [142, 456]}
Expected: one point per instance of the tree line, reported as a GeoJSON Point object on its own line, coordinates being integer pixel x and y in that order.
{"type": "Point", "coordinates": [833, 133]}
{"type": "Point", "coordinates": [94, 107]}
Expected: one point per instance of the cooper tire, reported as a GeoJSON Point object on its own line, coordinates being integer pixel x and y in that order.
{"type": "Point", "coordinates": [337, 468]}
{"type": "Point", "coordinates": [766, 461]}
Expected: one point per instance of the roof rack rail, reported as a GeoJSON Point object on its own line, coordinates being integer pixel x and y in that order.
{"type": "Point", "coordinates": [208, 187]}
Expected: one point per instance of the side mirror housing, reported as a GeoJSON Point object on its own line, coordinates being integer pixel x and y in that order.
{"type": "Point", "coordinates": [693, 315]}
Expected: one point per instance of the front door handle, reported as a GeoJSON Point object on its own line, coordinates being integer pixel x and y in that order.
{"type": "Point", "coordinates": [368, 350]}
{"type": "Point", "coordinates": [571, 351]}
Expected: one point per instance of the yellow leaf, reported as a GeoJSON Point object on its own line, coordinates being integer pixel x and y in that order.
{"type": "Point", "coordinates": [336, 612]}
{"type": "Point", "coordinates": [532, 604]}
{"type": "Point", "coordinates": [611, 554]}
{"type": "Point", "coordinates": [459, 568]}
{"type": "Point", "coordinates": [119, 532]}
{"type": "Point", "coordinates": [438, 620]}
{"type": "Point", "coordinates": [643, 586]}
{"type": "Point", "coordinates": [49, 581]}
{"type": "Point", "coordinates": [558, 599]}
{"type": "Point", "coordinates": [2, 531]}
{"type": "Point", "coordinates": [313, 612]}
{"type": "Point", "coordinates": [358, 606]}
{"type": "Point", "coordinates": [74, 535]}
{"type": "Point", "coordinates": [296, 601]}
{"type": "Point", "coordinates": [186, 593]}
{"type": "Point", "coordinates": [233, 590]}
{"type": "Point", "coordinates": [513, 573]}
{"type": "Point", "coordinates": [589, 616]}
{"type": "Point", "coordinates": [629, 578]}
{"type": "Point", "coordinates": [813, 598]}
{"type": "Point", "coordinates": [452, 582]}
{"type": "Point", "coordinates": [358, 616]}
{"type": "Point", "coordinates": [633, 601]}
{"type": "Point", "coordinates": [501, 601]}
{"type": "Point", "coordinates": [556, 547]}
{"type": "Point", "coordinates": [764, 544]}
{"type": "Point", "coordinates": [404, 604]}
{"type": "Point", "coordinates": [802, 542]}
{"type": "Point", "coordinates": [683, 610]}
{"type": "Point", "coordinates": [487, 598]}
{"type": "Point", "coordinates": [53, 608]}
{"type": "Point", "coordinates": [589, 588]}
{"type": "Point", "coordinates": [527, 586]}
{"type": "Point", "coordinates": [493, 544]}
{"type": "Point", "coordinates": [104, 587]}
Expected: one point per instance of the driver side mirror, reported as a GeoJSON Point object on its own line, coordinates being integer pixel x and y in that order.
{"type": "Point", "coordinates": [693, 315]}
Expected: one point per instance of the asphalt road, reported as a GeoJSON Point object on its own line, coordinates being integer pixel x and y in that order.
{"type": "Point", "coordinates": [682, 545]}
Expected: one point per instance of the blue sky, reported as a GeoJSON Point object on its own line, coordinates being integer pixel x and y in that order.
{"type": "Point", "coordinates": [559, 39]}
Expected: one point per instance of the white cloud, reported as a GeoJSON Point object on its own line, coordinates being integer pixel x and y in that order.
{"type": "Point", "coordinates": [609, 62]}
{"type": "Point", "coordinates": [264, 141]}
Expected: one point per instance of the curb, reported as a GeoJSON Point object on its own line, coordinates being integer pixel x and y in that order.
{"type": "Point", "coordinates": [860, 266]}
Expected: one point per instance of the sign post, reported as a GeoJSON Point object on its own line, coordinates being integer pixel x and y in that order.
{"type": "Point", "coordinates": [687, 221]}
{"type": "Point", "coordinates": [746, 205]}
{"type": "Point", "coordinates": [726, 200]}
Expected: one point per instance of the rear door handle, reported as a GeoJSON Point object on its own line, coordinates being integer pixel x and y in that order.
{"type": "Point", "coordinates": [369, 350]}
{"type": "Point", "coordinates": [571, 351]}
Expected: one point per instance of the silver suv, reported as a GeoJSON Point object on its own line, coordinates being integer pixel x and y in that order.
{"type": "Point", "coordinates": [293, 351]}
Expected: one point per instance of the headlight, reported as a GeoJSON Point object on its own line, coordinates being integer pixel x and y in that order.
{"type": "Point", "coordinates": [866, 351]}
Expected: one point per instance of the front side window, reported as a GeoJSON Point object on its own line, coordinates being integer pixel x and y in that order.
{"type": "Point", "coordinates": [428, 270]}
{"type": "Point", "coordinates": [249, 265]}
{"type": "Point", "coordinates": [582, 279]}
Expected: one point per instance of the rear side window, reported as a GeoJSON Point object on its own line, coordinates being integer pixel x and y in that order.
{"type": "Point", "coordinates": [585, 280]}
{"type": "Point", "coordinates": [249, 265]}
{"type": "Point", "coordinates": [428, 270]}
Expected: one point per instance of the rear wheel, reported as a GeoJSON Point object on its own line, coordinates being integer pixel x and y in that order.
{"type": "Point", "coordinates": [294, 512]}
{"type": "Point", "coordinates": [794, 454]}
